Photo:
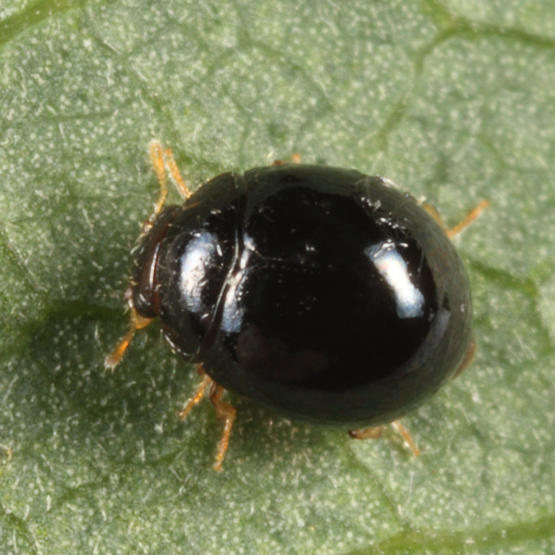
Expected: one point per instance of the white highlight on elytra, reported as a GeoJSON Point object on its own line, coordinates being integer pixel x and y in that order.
{"type": "Point", "coordinates": [197, 257]}
{"type": "Point", "coordinates": [232, 315]}
{"type": "Point", "coordinates": [392, 267]}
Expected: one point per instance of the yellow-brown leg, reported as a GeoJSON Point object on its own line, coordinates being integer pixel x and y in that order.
{"type": "Point", "coordinates": [225, 412]}
{"type": "Point", "coordinates": [180, 184]}
{"type": "Point", "coordinates": [295, 158]}
{"type": "Point", "coordinates": [198, 395]}
{"type": "Point", "coordinates": [157, 160]}
{"type": "Point", "coordinates": [467, 360]}
{"type": "Point", "coordinates": [451, 232]}
{"type": "Point", "coordinates": [136, 322]}
{"type": "Point", "coordinates": [468, 219]}
{"type": "Point", "coordinates": [406, 436]}
{"type": "Point", "coordinates": [433, 212]}
{"type": "Point", "coordinates": [376, 432]}
{"type": "Point", "coordinates": [157, 155]}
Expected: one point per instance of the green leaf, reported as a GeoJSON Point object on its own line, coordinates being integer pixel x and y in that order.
{"type": "Point", "coordinates": [452, 100]}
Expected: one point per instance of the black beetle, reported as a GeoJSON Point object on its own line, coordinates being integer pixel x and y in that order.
{"type": "Point", "coordinates": [320, 292]}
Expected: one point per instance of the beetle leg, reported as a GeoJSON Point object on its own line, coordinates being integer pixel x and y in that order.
{"type": "Point", "coordinates": [433, 212]}
{"type": "Point", "coordinates": [198, 396]}
{"type": "Point", "coordinates": [157, 160]}
{"type": "Point", "coordinates": [406, 436]}
{"type": "Point", "coordinates": [136, 322]}
{"type": "Point", "coordinates": [376, 431]}
{"type": "Point", "coordinates": [295, 158]}
{"type": "Point", "coordinates": [468, 219]}
{"type": "Point", "coordinates": [225, 412]}
{"type": "Point", "coordinates": [468, 358]}
{"type": "Point", "coordinates": [180, 184]}
{"type": "Point", "coordinates": [161, 159]}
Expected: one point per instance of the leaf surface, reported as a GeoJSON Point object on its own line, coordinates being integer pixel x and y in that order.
{"type": "Point", "coordinates": [455, 101]}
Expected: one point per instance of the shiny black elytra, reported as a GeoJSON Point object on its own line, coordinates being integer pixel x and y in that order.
{"type": "Point", "coordinates": [320, 292]}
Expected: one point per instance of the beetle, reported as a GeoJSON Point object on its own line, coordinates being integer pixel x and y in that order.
{"type": "Point", "coordinates": [320, 292]}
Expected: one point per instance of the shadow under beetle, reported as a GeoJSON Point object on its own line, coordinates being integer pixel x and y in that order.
{"type": "Point", "coordinates": [322, 293]}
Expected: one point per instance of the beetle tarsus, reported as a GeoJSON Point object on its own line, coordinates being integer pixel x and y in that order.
{"type": "Point", "coordinates": [294, 158]}
{"type": "Point", "coordinates": [198, 395]}
{"type": "Point", "coordinates": [136, 322]}
{"type": "Point", "coordinates": [464, 223]}
{"type": "Point", "coordinates": [179, 182]}
{"type": "Point", "coordinates": [157, 160]}
{"type": "Point", "coordinates": [405, 434]}
{"type": "Point", "coordinates": [468, 219]}
{"type": "Point", "coordinates": [226, 412]}
{"type": "Point", "coordinates": [375, 432]}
